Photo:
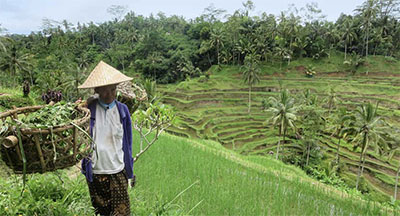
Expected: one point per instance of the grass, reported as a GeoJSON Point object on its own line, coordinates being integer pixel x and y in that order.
{"type": "Point", "coordinates": [232, 184]}
{"type": "Point", "coordinates": [217, 108]}
{"type": "Point", "coordinates": [223, 183]}
{"type": "Point", "coordinates": [14, 97]}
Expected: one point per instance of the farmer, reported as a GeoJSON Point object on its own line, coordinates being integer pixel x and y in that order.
{"type": "Point", "coordinates": [111, 164]}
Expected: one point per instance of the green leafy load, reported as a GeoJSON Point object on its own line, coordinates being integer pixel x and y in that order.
{"type": "Point", "coordinates": [49, 116]}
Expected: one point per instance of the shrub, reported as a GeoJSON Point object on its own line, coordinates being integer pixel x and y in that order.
{"type": "Point", "coordinates": [8, 101]}
{"type": "Point", "coordinates": [44, 194]}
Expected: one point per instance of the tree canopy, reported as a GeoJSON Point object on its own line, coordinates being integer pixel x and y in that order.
{"type": "Point", "coordinates": [170, 49]}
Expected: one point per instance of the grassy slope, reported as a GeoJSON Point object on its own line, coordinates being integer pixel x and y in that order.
{"type": "Point", "coordinates": [227, 183]}
{"type": "Point", "coordinates": [205, 107]}
{"type": "Point", "coordinates": [14, 97]}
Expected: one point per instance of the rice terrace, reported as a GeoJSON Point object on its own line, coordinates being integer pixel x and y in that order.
{"type": "Point", "coordinates": [238, 112]}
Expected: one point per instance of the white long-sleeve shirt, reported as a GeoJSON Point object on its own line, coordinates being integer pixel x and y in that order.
{"type": "Point", "coordinates": [108, 132]}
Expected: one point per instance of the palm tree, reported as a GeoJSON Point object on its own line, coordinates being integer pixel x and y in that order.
{"type": "Point", "coordinates": [216, 40]}
{"type": "Point", "coordinates": [368, 11]}
{"type": "Point", "coordinates": [393, 147]}
{"type": "Point", "coordinates": [14, 62]}
{"type": "Point", "coordinates": [251, 72]}
{"type": "Point", "coordinates": [155, 58]}
{"type": "Point", "coordinates": [341, 127]}
{"type": "Point", "coordinates": [309, 99]}
{"type": "Point", "coordinates": [283, 53]}
{"type": "Point", "coordinates": [332, 99]}
{"type": "Point", "coordinates": [396, 183]}
{"type": "Point", "coordinates": [333, 35]}
{"type": "Point", "coordinates": [2, 45]}
{"type": "Point", "coordinates": [368, 124]}
{"type": "Point", "coordinates": [283, 112]}
{"type": "Point", "coordinates": [348, 35]}
{"type": "Point", "coordinates": [313, 122]}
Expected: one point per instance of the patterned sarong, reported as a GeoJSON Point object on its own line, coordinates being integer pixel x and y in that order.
{"type": "Point", "coordinates": [109, 194]}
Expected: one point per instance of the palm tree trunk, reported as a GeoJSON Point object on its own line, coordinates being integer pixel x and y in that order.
{"type": "Point", "coordinates": [345, 51]}
{"type": "Point", "coordinates": [277, 149]}
{"type": "Point", "coordinates": [337, 152]}
{"type": "Point", "coordinates": [362, 159]}
{"type": "Point", "coordinates": [359, 170]}
{"type": "Point", "coordinates": [397, 181]}
{"type": "Point", "coordinates": [279, 142]}
{"type": "Point", "coordinates": [284, 136]}
{"type": "Point", "coordinates": [249, 99]}
{"type": "Point", "coordinates": [218, 53]}
{"type": "Point", "coordinates": [363, 165]}
{"type": "Point", "coordinates": [366, 46]}
{"type": "Point", "coordinates": [209, 59]}
{"type": "Point", "coordinates": [308, 153]}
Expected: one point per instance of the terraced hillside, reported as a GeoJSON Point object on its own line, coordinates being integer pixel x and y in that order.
{"type": "Point", "coordinates": [216, 109]}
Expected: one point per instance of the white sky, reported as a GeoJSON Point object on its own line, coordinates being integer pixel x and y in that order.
{"type": "Point", "coordinates": [24, 16]}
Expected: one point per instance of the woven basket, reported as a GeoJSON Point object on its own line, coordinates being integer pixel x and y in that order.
{"type": "Point", "coordinates": [68, 143]}
{"type": "Point", "coordinates": [131, 95]}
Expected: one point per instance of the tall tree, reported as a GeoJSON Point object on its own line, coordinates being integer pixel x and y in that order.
{"type": "Point", "coordinates": [14, 61]}
{"type": "Point", "coordinates": [3, 38]}
{"type": "Point", "coordinates": [283, 110]}
{"type": "Point", "coordinates": [369, 126]}
{"type": "Point", "coordinates": [348, 35]}
{"type": "Point", "coordinates": [217, 41]}
{"type": "Point", "coordinates": [367, 11]}
{"type": "Point", "coordinates": [341, 127]}
{"type": "Point", "coordinates": [251, 72]}
{"type": "Point", "coordinates": [212, 14]}
{"type": "Point", "coordinates": [393, 148]}
{"type": "Point", "coordinates": [313, 122]}
{"type": "Point", "coordinates": [117, 11]}
{"type": "Point", "coordinates": [332, 99]}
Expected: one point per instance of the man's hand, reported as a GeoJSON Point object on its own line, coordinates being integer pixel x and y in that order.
{"type": "Point", "coordinates": [132, 181]}
{"type": "Point", "coordinates": [81, 102]}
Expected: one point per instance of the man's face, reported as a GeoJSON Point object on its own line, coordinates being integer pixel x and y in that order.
{"type": "Point", "coordinates": [108, 93]}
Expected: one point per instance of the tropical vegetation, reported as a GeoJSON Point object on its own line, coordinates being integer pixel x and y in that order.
{"type": "Point", "coordinates": [277, 114]}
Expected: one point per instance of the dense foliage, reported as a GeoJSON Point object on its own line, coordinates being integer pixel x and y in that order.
{"type": "Point", "coordinates": [170, 49]}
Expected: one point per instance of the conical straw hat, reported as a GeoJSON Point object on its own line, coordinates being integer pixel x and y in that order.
{"type": "Point", "coordinates": [102, 75]}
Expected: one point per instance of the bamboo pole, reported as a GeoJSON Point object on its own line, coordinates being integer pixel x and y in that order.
{"type": "Point", "coordinates": [39, 150]}
{"type": "Point", "coordinates": [75, 140]}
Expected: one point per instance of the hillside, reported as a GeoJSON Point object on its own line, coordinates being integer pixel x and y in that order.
{"type": "Point", "coordinates": [278, 114]}
{"type": "Point", "coordinates": [223, 183]}
{"type": "Point", "coordinates": [223, 161]}
{"type": "Point", "coordinates": [216, 109]}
